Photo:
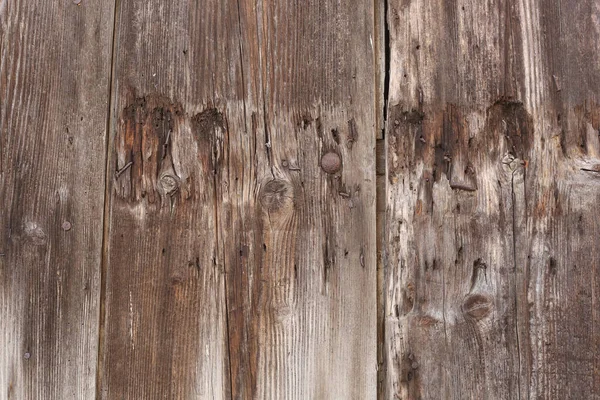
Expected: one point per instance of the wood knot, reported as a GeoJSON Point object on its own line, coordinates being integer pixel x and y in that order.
{"type": "Point", "coordinates": [331, 162]}
{"type": "Point", "coordinates": [477, 306]}
{"type": "Point", "coordinates": [208, 121]}
{"type": "Point", "coordinates": [409, 367]}
{"type": "Point", "coordinates": [169, 184]}
{"type": "Point", "coordinates": [34, 233]}
{"type": "Point", "coordinates": [427, 321]}
{"type": "Point", "coordinates": [277, 195]}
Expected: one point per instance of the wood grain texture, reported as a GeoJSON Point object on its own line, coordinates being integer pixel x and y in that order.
{"type": "Point", "coordinates": [300, 242]}
{"type": "Point", "coordinates": [165, 331]}
{"type": "Point", "coordinates": [234, 260]}
{"type": "Point", "coordinates": [54, 84]}
{"type": "Point", "coordinates": [492, 147]}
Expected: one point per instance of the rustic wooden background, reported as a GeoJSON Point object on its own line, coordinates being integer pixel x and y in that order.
{"type": "Point", "coordinates": [299, 199]}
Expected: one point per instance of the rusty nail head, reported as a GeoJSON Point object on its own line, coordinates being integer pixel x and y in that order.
{"type": "Point", "coordinates": [331, 162]}
{"type": "Point", "coordinates": [66, 226]}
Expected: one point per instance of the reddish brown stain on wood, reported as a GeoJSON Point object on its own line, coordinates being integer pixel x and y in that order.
{"type": "Point", "coordinates": [149, 149]}
{"type": "Point", "coordinates": [477, 306]}
{"type": "Point", "coordinates": [144, 139]}
{"type": "Point", "coordinates": [510, 120]}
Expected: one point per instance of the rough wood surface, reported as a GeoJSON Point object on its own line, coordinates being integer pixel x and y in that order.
{"type": "Point", "coordinates": [234, 260]}
{"type": "Point", "coordinates": [492, 151]}
{"type": "Point", "coordinates": [297, 230]}
{"type": "Point", "coordinates": [297, 195]}
{"type": "Point", "coordinates": [54, 83]}
{"type": "Point", "coordinates": [164, 326]}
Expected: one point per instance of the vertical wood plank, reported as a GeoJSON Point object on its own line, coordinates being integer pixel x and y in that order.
{"type": "Point", "coordinates": [492, 147]}
{"type": "Point", "coordinates": [298, 230]}
{"type": "Point", "coordinates": [165, 325]}
{"type": "Point", "coordinates": [223, 120]}
{"type": "Point", "coordinates": [563, 224]}
{"type": "Point", "coordinates": [54, 83]}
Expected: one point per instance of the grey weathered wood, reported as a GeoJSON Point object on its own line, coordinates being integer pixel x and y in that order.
{"type": "Point", "coordinates": [492, 143]}
{"type": "Point", "coordinates": [299, 243]}
{"type": "Point", "coordinates": [238, 275]}
{"type": "Point", "coordinates": [54, 68]}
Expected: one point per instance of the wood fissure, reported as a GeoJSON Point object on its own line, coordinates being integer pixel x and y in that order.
{"type": "Point", "coordinates": [383, 41]}
{"type": "Point", "coordinates": [106, 205]}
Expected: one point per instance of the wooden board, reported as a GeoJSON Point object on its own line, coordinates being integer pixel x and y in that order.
{"type": "Point", "coordinates": [54, 85]}
{"type": "Point", "coordinates": [234, 260]}
{"type": "Point", "coordinates": [300, 242]}
{"type": "Point", "coordinates": [165, 321]}
{"type": "Point", "coordinates": [492, 147]}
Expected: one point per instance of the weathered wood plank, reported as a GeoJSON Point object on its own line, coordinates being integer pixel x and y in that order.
{"type": "Point", "coordinates": [297, 231]}
{"type": "Point", "coordinates": [492, 129]}
{"type": "Point", "coordinates": [254, 95]}
{"type": "Point", "coordinates": [54, 83]}
{"type": "Point", "coordinates": [165, 331]}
